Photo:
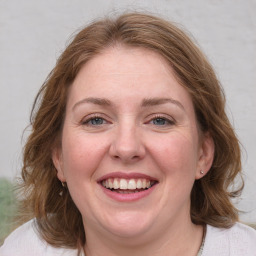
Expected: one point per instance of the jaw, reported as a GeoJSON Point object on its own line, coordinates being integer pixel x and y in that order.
{"type": "Point", "coordinates": [130, 229]}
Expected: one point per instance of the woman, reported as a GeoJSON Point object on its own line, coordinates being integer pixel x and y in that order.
{"type": "Point", "coordinates": [131, 151]}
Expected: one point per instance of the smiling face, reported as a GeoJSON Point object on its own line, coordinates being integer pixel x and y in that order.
{"type": "Point", "coordinates": [130, 149]}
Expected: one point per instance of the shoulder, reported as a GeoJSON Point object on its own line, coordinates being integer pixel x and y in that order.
{"type": "Point", "coordinates": [25, 241]}
{"type": "Point", "coordinates": [239, 240]}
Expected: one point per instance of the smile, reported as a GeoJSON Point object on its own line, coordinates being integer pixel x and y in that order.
{"type": "Point", "coordinates": [127, 186]}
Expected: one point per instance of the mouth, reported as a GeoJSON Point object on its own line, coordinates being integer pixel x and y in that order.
{"type": "Point", "coordinates": [127, 186]}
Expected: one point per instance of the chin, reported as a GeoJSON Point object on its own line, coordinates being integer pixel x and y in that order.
{"type": "Point", "coordinates": [128, 224]}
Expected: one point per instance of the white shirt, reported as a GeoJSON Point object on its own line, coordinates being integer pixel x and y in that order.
{"type": "Point", "coordinates": [240, 240]}
{"type": "Point", "coordinates": [25, 241]}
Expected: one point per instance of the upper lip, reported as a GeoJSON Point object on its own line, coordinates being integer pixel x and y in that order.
{"type": "Point", "coordinates": [125, 175]}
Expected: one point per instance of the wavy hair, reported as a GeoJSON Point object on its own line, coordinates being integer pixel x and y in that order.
{"type": "Point", "coordinates": [58, 219]}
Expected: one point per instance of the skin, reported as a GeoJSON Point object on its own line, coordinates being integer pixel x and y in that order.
{"type": "Point", "coordinates": [127, 137]}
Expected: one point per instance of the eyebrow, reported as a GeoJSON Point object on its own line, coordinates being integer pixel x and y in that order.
{"type": "Point", "coordinates": [159, 101]}
{"type": "Point", "coordinates": [145, 103]}
{"type": "Point", "coordinates": [96, 101]}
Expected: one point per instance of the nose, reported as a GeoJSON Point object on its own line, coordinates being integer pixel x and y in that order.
{"type": "Point", "coordinates": [127, 145]}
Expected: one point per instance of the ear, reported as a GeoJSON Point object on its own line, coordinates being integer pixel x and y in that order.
{"type": "Point", "coordinates": [58, 163]}
{"type": "Point", "coordinates": [206, 155]}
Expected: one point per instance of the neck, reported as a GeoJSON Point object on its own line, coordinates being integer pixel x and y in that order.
{"type": "Point", "coordinates": [181, 240]}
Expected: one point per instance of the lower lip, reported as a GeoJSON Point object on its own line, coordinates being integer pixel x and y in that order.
{"type": "Point", "coordinates": [128, 197]}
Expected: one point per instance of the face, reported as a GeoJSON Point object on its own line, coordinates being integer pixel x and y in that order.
{"type": "Point", "coordinates": [130, 149]}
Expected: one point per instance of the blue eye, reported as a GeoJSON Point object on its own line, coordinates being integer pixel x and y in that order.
{"type": "Point", "coordinates": [159, 121]}
{"type": "Point", "coordinates": [94, 121]}
{"type": "Point", "coordinates": [162, 121]}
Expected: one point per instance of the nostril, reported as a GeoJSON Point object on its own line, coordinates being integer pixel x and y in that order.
{"type": "Point", "coordinates": [127, 158]}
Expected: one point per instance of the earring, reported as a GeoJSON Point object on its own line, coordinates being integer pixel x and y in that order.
{"type": "Point", "coordinates": [64, 186]}
{"type": "Point", "coordinates": [201, 172]}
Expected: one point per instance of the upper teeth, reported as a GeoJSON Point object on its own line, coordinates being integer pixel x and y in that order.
{"type": "Point", "coordinates": [116, 183]}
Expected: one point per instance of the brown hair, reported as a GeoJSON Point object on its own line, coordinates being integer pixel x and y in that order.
{"type": "Point", "coordinates": [58, 219]}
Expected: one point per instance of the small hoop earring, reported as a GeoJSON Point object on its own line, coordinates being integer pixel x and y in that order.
{"type": "Point", "coordinates": [202, 172]}
{"type": "Point", "coordinates": [63, 184]}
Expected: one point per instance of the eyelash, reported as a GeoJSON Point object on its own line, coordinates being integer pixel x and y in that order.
{"type": "Point", "coordinates": [164, 118]}
{"type": "Point", "coordinates": [91, 118]}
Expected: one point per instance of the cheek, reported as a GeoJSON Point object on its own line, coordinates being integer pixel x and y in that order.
{"type": "Point", "coordinates": [177, 159]}
{"type": "Point", "coordinates": [81, 155]}
{"type": "Point", "coordinates": [177, 154]}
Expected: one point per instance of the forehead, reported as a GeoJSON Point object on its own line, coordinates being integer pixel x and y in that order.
{"type": "Point", "coordinates": [130, 71]}
{"type": "Point", "coordinates": [127, 60]}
